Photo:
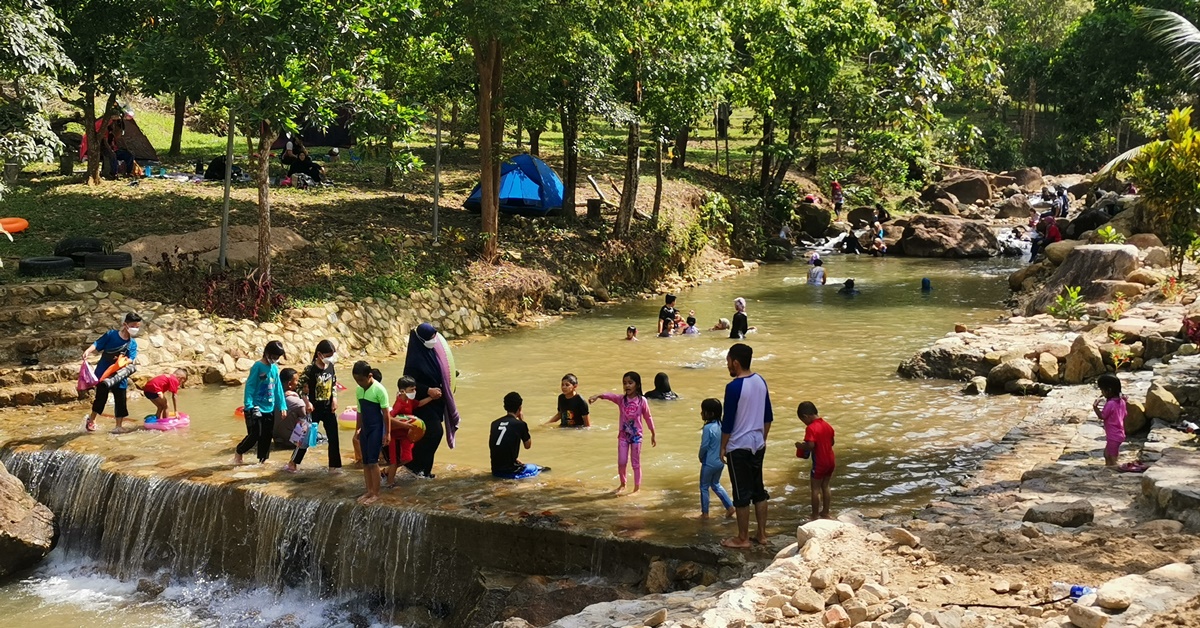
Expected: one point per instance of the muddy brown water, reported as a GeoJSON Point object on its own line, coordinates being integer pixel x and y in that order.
{"type": "Point", "coordinates": [898, 442]}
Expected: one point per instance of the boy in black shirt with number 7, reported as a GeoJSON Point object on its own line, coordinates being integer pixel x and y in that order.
{"type": "Point", "coordinates": [505, 438]}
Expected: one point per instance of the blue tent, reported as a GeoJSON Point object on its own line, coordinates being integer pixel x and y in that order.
{"type": "Point", "coordinates": [527, 187]}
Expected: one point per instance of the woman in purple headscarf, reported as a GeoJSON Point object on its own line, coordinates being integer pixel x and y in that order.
{"type": "Point", "coordinates": [427, 363]}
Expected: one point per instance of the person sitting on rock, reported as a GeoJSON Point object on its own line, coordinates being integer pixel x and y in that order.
{"type": "Point", "coordinates": [1046, 234]}
{"type": "Point", "coordinates": [878, 248]}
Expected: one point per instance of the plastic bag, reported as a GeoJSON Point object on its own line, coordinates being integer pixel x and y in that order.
{"type": "Point", "coordinates": [313, 434]}
{"type": "Point", "coordinates": [299, 435]}
{"type": "Point", "coordinates": [87, 377]}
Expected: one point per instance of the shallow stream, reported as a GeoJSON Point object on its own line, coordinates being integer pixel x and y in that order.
{"type": "Point", "coordinates": [898, 441]}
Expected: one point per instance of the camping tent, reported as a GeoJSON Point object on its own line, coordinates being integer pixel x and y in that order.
{"type": "Point", "coordinates": [527, 187]}
{"type": "Point", "coordinates": [135, 140]}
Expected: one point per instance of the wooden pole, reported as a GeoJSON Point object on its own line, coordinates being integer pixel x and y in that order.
{"type": "Point", "coordinates": [437, 170]}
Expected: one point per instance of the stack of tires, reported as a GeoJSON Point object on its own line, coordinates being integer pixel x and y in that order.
{"type": "Point", "coordinates": [72, 253]}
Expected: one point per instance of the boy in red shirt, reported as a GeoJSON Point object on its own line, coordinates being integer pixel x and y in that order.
{"type": "Point", "coordinates": [406, 429]}
{"type": "Point", "coordinates": [161, 385]}
{"type": "Point", "coordinates": [818, 441]}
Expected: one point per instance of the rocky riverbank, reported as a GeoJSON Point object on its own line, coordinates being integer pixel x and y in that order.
{"type": "Point", "coordinates": [1041, 510]}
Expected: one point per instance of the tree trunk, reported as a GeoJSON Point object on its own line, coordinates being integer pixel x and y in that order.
{"type": "Point", "coordinates": [264, 199]}
{"type": "Point", "coordinates": [488, 65]}
{"type": "Point", "coordinates": [570, 131]}
{"type": "Point", "coordinates": [96, 138]}
{"type": "Point", "coordinates": [455, 130]}
{"type": "Point", "coordinates": [535, 138]}
{"type": "Point", "coordinates": [768, 141]}
{"type": "Point", "coordinates": [783, 164]}
{"type": "Point", "coordinates": [658, 179]}
{"type": "Point", "coordinates": [520, 135]}
{"type": "Point", "coordinates": [681, 145]}
{"type": "Point", "coordinates": [177, 129]}
{"type": "Point", "coordinates": [629, 189]}
{"type": "Point", "coordinates": [389, 146]}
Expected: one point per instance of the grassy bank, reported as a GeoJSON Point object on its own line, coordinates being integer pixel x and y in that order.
{"type": "Point", "coordinates": [368, 239]}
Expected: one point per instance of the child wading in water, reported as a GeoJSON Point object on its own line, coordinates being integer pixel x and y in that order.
{"type": "Point", "coordinates": [262, 403]}
{"type": "Point", "coordinates": [406, 428]}
{"type": "Point", "coordinates": [711, 466]}
{"type": "Point", "coordinates": [818, 443]}
{"type": "Point", "coordinates": [371, 431]}
{"type": "Point", "coordinates": [156, 388]}
{"type": "Point", "coordinates": [634, 409]}
{"type": "Point", "coordinates": [572, 409]}
{"type": "Point", "coordinates": [1111, 410]}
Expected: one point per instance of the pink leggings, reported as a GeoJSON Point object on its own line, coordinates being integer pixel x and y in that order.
{"type": "Point", "coordinates": [1113, 448]}
{"type": "Point", "coordinates": [626, 450]}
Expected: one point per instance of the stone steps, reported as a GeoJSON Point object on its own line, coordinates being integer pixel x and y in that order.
{"type": "Point", "coordinates": [28, 293]}
{"type": "Point", "coordinates": [22, 316]}
{"type": "Point", "coordinates": [40, 374]}
{"type": "Point", "coordinates": [48, 346]}
{"type": "Point", "coordinates": [38, 394]}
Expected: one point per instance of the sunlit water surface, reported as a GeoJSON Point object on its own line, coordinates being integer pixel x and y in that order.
{"type": "Point", "coordinates": [898, 441]}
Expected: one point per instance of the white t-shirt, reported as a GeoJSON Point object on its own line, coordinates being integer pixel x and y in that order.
{"type": "Point", "coordinates": [746, 413]}
{"type": "Point", "coordinates": [816, 275]}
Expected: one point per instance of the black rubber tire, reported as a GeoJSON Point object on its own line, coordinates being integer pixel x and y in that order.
{"type": "Point", "coordinates": [72, 246]}
{"type": "Point", "coordinates": [42, 266]}
{"type": "Point", "coordinates": [105, 261]}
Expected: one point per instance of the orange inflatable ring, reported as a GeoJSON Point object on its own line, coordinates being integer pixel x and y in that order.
{"type": "Point", "coordinates": [14, 225]}
{"type": "Point", "coordinates": [239, 412]}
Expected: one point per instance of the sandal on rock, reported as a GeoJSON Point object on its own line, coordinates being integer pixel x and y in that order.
{"type": "Point", "coordinates": [1133, 467]}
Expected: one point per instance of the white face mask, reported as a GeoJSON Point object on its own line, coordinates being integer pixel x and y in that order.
{"type": "Point", "coordinates": [431, 343]}
{"type": "Point", "coordinates": [411, 395]}
{"type": "Point", "coordinates": [132, 331]}
{"type": "Point", "coordinates": [332, 359]}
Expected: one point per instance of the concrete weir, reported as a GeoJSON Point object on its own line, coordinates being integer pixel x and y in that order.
{"type": "Point", "coordinates": [399, 557]}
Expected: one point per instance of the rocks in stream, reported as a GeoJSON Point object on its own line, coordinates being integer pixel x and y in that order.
{"type": "Point", "coordinates": [26, 527]}
{"type": "Point", "coordinates": [1087, 266]}
{"type": "Point", "coordinates": [1067, 515]}
{"type": "Point", "coordinates": [947, 236]}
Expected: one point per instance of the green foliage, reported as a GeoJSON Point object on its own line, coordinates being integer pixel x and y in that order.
{"type": "Point", "coordinates": [890, 157]}
{"type": "Point", "coordinates": [1109, 235]}
{"type": "Point", "coordinates": [1117, 308]}
{"type": "Point", "coordinates": [1070, 305]}
{"type": "Point", "coordinates": [31, 62]}
{"type": "Point", "coordinates": [995, 147]}
{"type": "Point", "coordinates": [1168, 175]}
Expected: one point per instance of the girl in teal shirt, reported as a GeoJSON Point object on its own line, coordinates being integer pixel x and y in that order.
{"type": "Point", "coordinates": [262, 403]}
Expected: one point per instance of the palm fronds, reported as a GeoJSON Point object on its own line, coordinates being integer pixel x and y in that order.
{"type": "Point", "coordinates": [1180, 37]}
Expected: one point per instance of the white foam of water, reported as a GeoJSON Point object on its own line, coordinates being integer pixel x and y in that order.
{"type": "Point", "coordinates": [68, 591]}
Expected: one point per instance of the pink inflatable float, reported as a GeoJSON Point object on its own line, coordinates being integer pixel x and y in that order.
{"type": "Point", "coordinates": [168, 423]}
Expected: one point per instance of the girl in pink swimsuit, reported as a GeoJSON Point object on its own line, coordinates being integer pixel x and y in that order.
{"type": "Point", "coordinates": [634, 408]}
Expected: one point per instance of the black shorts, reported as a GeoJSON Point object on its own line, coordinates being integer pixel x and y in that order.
{"type": "Point", "coordinates": [152, 396]}
{"type": "Point", "coordinates": [746, 476]}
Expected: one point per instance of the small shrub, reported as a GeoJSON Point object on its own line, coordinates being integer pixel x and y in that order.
{"type": "Point", "coordinates": [1117, 308]}
{"type": "Point", "coordinates": [1108, 235]}
{"type": "Point", "coordinates": [1171, 289]}
{"type": "Point", "coordinates": [1069, 306]}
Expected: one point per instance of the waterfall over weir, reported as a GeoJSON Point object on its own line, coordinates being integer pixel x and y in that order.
{"type": "Point", "coordinates": [136, 526]}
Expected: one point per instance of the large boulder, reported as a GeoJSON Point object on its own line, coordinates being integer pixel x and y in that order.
{"type": "Point", "coordinates": [814, 220]}
{"type": "Point", "coordinates": [1085, 266]}
{"type": "Point", "coordinates": [1161, 404]}
{"type": "Point", "coordinates": [860, 217]}
{"type": "Point", "coordinates": [947, 236]}
{"type": "Point", "coordinates": [1081, 189]}
{"type": "Point", "coordinates": [943, 207]}
{"type": "Point", "coordinates": [948, 358]}
{"type": "Point", "coordinates": [1010, 371]}
{"type": "Point", "coordinates": [1084, 361]}
{"type": "Point", "coordinates": [1144, 240]}
{"type": "Point", "coordinates": [1015, 206]}
{"type": "Point", "coordinates": [1028, 179]}
{"type": "Point", "coordinates": [26, 527]}
{"type": "Point", "coordinates": [1067, 515]}
{"type": "Point", "coordinates": [1088, 220]}
{"type": "Point", "coordinates": [968, 187]}
{"type": "Point", "coordinates": [1057, 252]}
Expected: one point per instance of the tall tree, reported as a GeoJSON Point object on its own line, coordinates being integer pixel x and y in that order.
{"type": "Point", "coordinates": [96, 35]}
{"type": "Point", "coordinates": [180, 64]}
{"type": "Point", "coordinates": [31, 61]}
{"type": "Point", "coordinates": [281, 63]}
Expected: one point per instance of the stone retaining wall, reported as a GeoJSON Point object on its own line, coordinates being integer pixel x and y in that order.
{"type": "Point", "coordinates": [227, 347]}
